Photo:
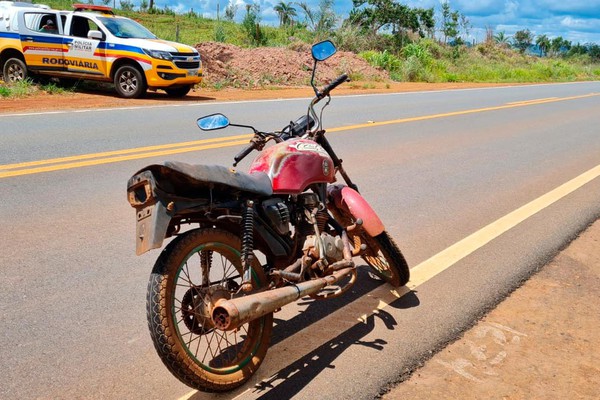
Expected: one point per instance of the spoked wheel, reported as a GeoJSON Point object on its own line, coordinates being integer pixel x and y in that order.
{"type": "Point", "coordinates": [195, 271]}
{"type": "Point", "coordinates": [382, 254]}
{"type": "Point", "coordinates": [385, 259]}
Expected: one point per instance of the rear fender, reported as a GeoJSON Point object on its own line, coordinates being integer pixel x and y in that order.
{"type": "Point", "coordinates": [152, 223]}
{"type": "Point", "coordinates": [151, 216]}
{"type": "Point", "coordinates": [350, 201]}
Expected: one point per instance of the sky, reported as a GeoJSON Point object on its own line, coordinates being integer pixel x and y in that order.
{"type": "Point", "coordinates": [574, 20]}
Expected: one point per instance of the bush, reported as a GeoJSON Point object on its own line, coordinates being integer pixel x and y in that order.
{"type": "Point", "coordinates": [413, 70]}
{"type": "Point", "coordinates": [417, 51]}
{"type": "Point", "coordinates": [383, 60]}
{"type": "Point", "coordinates": [126, 5]}
{"type": "Point", "coordinates": [350, 38]}
{"type": "Point", "coordinates": [220, 33]}
{"type": "Point", "coordinates": [4, 91]}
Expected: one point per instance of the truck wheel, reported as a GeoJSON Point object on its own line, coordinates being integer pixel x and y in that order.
{"type": "Point", "coordinates": [14, 70]}
{"type": "Point", "coordinates": [129, 82]}
{"type": "Point", "coordinates": [179, 91]}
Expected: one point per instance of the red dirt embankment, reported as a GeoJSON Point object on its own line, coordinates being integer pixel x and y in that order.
{"type": "Point", "coordinates": [247, 74]}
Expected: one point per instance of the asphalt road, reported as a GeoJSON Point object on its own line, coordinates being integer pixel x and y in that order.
{"type": "Point", "coordinates": [437, 166]}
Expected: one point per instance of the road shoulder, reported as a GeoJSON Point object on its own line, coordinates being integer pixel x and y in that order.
{"type": "Point", "coordinates": [541, 342]}
{"type": "Point", "coordinates": [106, 98]}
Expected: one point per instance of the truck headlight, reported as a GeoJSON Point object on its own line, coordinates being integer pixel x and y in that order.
{"type": "Point", "coordinates": [161, 55]}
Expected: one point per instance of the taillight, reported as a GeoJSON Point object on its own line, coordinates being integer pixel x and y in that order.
{"type": "Point", "coordinates": [139, 189]}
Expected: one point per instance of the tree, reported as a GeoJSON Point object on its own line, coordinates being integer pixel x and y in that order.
{"type": "Point", "coordinates": [465, 24]}
{"type": "Point", "coordinates": [522, 40]}
{"type": "Point", "coordinates": [593, 51]}
{"type": "Point", "coordinates": [543, 42]}
{"type": "Point", "coordinates": [286, 13]}
{"type": "Point", "coordinates": [449, 22]}
{"type": "Point", "coordinates": [427, 20]}
{"type": "Point", "coordinates": [309, 15]}
{"type": "Point", "coordinates": [231, 10]}
{"type": "Point", "coordinates": [501, 38]}
{"type": "Point", "coordinates": [251, 25]}
{"type": "Point", "coordinates": [559, 45]}
{"type": "Point", "coordinates": [326, 17]}
{"type": "Point", "coordinates": [376, 15]}
{"type": "Point", "coordinates": [322, 20]}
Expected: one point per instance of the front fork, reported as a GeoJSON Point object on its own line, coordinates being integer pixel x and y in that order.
{"type": "Point", "coordinates": [337, 162]}
{"type": "Point", "coordinates": [347, 198]}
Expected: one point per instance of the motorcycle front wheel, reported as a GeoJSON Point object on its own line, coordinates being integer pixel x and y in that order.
{"type": "Point", "coordinates": [194, 271]}
{"type": "Point", "coordinates": [382, 254]}
{"type": "Point", "coordinates": [385, 259]}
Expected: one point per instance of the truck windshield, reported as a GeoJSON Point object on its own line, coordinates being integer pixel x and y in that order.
{"type": "Point", "coordinates": [126, 28]}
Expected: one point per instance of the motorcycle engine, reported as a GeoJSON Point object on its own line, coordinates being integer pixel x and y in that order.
{"type": "Point", "coordinates": [278, 215]}
{"type": "Point", "coordinates": [333, 247]}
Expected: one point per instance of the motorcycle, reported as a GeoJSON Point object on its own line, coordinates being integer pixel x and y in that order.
{"type": "Point", "coordinates": [247, 244]}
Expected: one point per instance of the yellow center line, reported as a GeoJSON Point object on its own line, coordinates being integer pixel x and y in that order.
{"type": "Point", "coordinates": [120, 152]}
{"type": "Point", "coordinates": [456, 113]}
{"type": "Point", "coordinates": [525, 102]}
{"type": "Point", "coordinates": [86, 160]}
{"type": "Point", "coordinates": [109, 160]}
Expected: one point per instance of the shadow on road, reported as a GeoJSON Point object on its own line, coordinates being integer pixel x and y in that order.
{"type": "Point", "coordinates": [291, 379]}
{"type": "Point", "coordinates": [107, 90]}
{"type": "Point", "coordinates": [297, 375]}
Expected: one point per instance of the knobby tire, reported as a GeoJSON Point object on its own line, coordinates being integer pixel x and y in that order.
{"type": "Point", "coordinates": [168, 326]}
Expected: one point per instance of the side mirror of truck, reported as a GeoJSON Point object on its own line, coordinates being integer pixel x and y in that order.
{"type": "Point", "coordinates": [95, 35]}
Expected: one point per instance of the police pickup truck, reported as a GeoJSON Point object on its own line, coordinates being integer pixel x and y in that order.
{"type": "Point", "coordinates": [93, 43]}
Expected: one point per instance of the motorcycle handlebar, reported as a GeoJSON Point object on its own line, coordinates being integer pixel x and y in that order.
{"type": "Point", "coordinates": [245, 151]}
{"type": "Point", "coordinates": [325, 92]}
{"type": "Point", "coordinates": [338, 81]}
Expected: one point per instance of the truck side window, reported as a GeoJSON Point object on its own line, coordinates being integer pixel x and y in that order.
{"type": "Point", "coordinates": [80, 27]}
{"type": "Point", "coordinates": [49, 26]}
{"type": "Point", "coordinates": [41, 22]}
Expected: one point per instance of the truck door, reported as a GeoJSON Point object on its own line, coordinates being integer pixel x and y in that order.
{"type": "Point", "coordinates": [84, 55]}
{"type": "Point", "coordinates": [41, 39]}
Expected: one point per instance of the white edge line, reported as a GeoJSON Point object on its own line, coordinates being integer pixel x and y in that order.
{"type": "Point", "coordinates": [446, 258]}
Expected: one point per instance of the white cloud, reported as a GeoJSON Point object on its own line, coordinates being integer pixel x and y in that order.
{"type": "Point", "coordinates": [511, 7]}
{"type": "Point", "coordinates": [575, 20]}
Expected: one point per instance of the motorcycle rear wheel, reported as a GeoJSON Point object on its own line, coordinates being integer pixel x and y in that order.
{"type": "Point", "coordinates": [192, 273]}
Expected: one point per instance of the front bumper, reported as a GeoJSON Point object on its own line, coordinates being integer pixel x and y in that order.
{"type": "Point", "coordinates": [163, 75]}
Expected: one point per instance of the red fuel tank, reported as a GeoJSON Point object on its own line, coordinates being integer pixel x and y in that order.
{"type": "Point", "coordinates": [294, 164]}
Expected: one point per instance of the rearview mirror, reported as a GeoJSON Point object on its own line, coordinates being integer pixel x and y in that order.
{"type": "Point", "coordinates": [323, 50]}
{"type": "Point", "coordinates": [213, 122]}
{"type": "Point", "coordinates": [95, 35]}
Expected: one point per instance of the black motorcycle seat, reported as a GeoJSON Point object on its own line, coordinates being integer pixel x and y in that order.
{"type": "Point", "coordinates": [186, 180]}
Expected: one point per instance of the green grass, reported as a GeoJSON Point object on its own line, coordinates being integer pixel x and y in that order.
{"type": "Point", "coordinates": [29, 87]}
{"type": "Point", "coordinates": [422, 61]}
{"type": "Point", "coordinates": [191, 28]}
{"type": "Point", "coordinates": [17, 89]}
{"type": "Point", "coordinates": [427, 61]}
{"type": "Point", "coordinates": [4, 90]}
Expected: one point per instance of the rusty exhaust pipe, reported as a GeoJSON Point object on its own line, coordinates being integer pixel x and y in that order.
{"type": "Point", "coordinates": [231, 314]}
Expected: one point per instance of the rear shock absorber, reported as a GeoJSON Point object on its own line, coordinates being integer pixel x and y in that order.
{"type": "Point", "coordinates": [247, 245]}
